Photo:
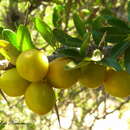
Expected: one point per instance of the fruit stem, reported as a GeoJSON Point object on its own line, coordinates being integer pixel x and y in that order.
{"type": "Point", "coordinates": [3, 95]}
{"type": "Point", "coordinates": [57, 113]}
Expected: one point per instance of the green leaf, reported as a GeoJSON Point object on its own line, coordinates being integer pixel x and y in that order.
{"type": "Point", "coordinates": [114, 34]}
{"type": "Point", "coordinates": [56, 17]}
{"type": "Point", "coordinates": [96, 32]}
{"type": "Point", "coordinates": [117, 23]}
{"type": "Point", "coordinates": [85, 44]}
{"type": "Point", "coordinates": [24, 38]}
{"type": "Point", "coordinates": [10, 36]}
{"type": "Point", "coordinates": [112, 62]}
{"type": "Point", "coordinates": [1, 29]}
{"type": "Point", "coordinates": [45, 31]}
{"type": "Point", "coordinates": [119, 48]}
{"type": "Point", "coordinates": [69, 52]}
{"type": "Point", "coordinates": [65, 39]}
{"type": "Point", "coordinates": [97, 36]}
{"type": "Point", "coordinates": [2, 125]}
{"type": "Point", "coordinates": [127, 60]}
{"type": "Point", "coordinates": [128, 10]}
{"type": "Point", "coordinates": [79, 24]}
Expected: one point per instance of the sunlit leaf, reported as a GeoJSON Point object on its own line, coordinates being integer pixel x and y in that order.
{"type": "Point", "coordinates": [45, 31]}
{"type": "Point", "coordinates": [10, 36]}
{"type": "Point", "coordinates": [24, 38]}
{"type": "Point", "coordinates": [56, 17]}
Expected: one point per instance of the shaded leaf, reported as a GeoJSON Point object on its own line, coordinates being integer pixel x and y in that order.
{"type": "Point", "coordinates": [79, 24]}
{"type": "Point", "coordinates": [85, 44]}
{"type": "Point", "coordinates": [24, 38]}
{"type": "Point", "coordinates": [119, 48]}
{"type": "Point", "coordinates": [127, 60]}
{"type": "Point", "coordinates": [69, 52]}
{"type": "Point", "coordinates": [45, 31]}
{"type": "Point", "coordinates": [114, 34]}
{"type": "Point", "coordinates": [128, 10]}
{"type": "Point", "coordinates": [117, 23]}
{"type": "Point", "coordinates": [65, 39]}
{"type": "Point", "coordinates": [96, 26]}
{"type": "Point", "coordinates": [112, 62]}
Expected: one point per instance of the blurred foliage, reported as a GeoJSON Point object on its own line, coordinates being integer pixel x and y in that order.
{"type": "Point", "coordinates": [72, 28]}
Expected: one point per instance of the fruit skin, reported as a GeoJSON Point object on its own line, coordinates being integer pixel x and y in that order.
{"type": "Point", "coordinates": [40, 97]}
{"type": "Point", "coordinates": [58, 76]}
{"type": "Point", "coordinates": [117, 83]}
{"type": "Point", "coordinates": [12, 83]}
{"type": "Point", "coordinates": [92, 75]}
{"type": "Point", "coordinates": [32, 65]}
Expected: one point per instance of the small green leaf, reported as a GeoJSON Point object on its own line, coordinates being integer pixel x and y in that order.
{"type": "Point", "coordinates": [128, 10]}
{"type": "Point", "coordinates": [65, 39]}
{"type": "Point", "coordinates": [1, 29]}
{"type": "Point", "coordinates": [45, 31]}
{"type": "Point", "coordinates": [119, 48]}
{"type": "Point", "coordinates": [112, 62]}
{"type": "Point", "coordinates": [85, 44]}
{"type": "Point", "coordinates": [10, 36]}
{"type": "Point", "coordinates": [127, 60]}
{"type": "Point", "coordinates": [24, 38]}
{"type": "Point", "coordinates": [97, 36]}
{"type": "Point", "coordinates": [79, 24]}
{"type": "Point", "coordinates": [56, 17]}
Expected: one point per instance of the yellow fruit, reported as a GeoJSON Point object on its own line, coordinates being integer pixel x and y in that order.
{"type": "Point", "coordinates": [117, 83]}
{"type": "Point", "coordinates": [40, 97]}
{"type": "Point", "coordinates": [32, 65]}
{"type": "Point", "coordinates": [92, 75]}
{"type": "Point", "coordinates": [60, 77]}
{"type": "Point", "coordinates": [12, 83]}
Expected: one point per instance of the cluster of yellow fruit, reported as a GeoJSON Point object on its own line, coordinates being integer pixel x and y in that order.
{"type": "Point", "coordinates": [116, 83]}
{"type": "Point", "coordinates": [34, 77]}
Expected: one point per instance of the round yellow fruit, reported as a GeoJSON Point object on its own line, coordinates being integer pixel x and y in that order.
{"type": "Point", "coordinates": [32, 65]}
{"type": "Point", "coordinates": [40, 97]}
{"type": "Point", "coordinates": [12, 83]}
{"type": "Point", "coordinates": [117, 83]}
{"type": "Point", "coordinates": [58, 76]}
{"type": "Point", "coordinates": [92, 75]}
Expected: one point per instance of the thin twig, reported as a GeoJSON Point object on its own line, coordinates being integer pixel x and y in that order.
{"type": "Point", "coordinates": [57, 113]}
{"type": "Point", "coordinates": [3, 95]}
